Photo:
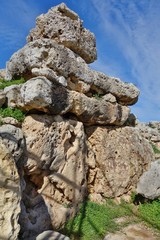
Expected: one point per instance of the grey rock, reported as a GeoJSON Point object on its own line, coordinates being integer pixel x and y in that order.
{"type": "Point", "coordinates": [49, 74]}
{"type": "Point", "coordinates": [149, 183]}
{"type": "Point", "coordinates": [51, 235]}
{"type": "Point", "coordinates": [64, 62]}
{"type": "Point", "coordinates": [13, 96]}
{"type": "Point", "coordinates": [37, 94]}
{"type": "Point", "coordinates": [65, 27]}
{"type": "Point", "coordinates": [13, 139]}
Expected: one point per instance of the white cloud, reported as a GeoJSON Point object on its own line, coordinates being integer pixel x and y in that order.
{"type": "Point", "coordinates": [135, 30]}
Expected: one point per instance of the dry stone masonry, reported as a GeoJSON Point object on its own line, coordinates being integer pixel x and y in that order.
{"type": "Point", "coordinates": [74, 141]}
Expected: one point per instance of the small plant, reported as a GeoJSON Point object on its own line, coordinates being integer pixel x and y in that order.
{"type": "Point", "coordinates": [155, 148]}
{"type": "Point", "coordinates": [15, 113]}
{"type": "Point", "coordinates": [4, 83]}
{"type": "Point", "coordinates": [98, 96]}
{"type": "Point", "coordinates": [133, 197]}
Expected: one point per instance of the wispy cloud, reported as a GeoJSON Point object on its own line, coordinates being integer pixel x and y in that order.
{"type": "Point", "coordinates": [134, 28]}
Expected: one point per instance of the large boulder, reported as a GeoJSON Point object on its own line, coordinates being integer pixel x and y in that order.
{"type": "Point", "coordinates": [10, 195]}
{"type": "Point", "coordinates": [46, 53]}
{"type": "Point", "coordinates": [52, 97]}
{"type": "Point", "coordinates": [149, 183]}
{"type": "Point", "coordinates": [56, 163]}
{"type": "Point", "coordinates": [97, 111]}
{"type": "Point", "coordinates": [65, 27]}
{"type": "Point", "coordinates": [117, 157]}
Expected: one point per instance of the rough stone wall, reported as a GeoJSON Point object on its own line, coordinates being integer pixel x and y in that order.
{"type": "Point", "coordinates": [74, 140]}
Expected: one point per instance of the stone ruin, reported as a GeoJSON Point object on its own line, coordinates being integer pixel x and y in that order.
{"type": "Point", "coordinates": [74, 142]}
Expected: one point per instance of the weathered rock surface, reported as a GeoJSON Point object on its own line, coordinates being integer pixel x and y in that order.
{"type": "Point", "coordinates": [10, 120]}
{"type": "Point", "coordinates": [2, 98]}
{"type": "Point", "coordinates": [49, 74]}
{"type": "Point", "coordinates": [46, 53]}
{"type": "Point", "coordinates": [10, 195]}
{"type": "Point", "coordinates": [51, 235]}
{"type": "Point", "coordinates": [93, 111]}
{"type": "Point", "coordinates": [117, 157]}
{"type": "Point", "coordinates": [149, 183]}
{"type": "Point", "coordinates": [56, 163]}
{"type": "Point", "coordinates": [150, 131]}
{"type": "Point", "coordinates": [65, 27]}
{"type": "Point", "coordinates": [43, 95]}
{"type": "Point", "coordinates": [2, 73]}
{"type": "Point", "coordinates": [13, 139]}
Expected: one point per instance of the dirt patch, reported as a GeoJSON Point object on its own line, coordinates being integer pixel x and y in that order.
{"type": "Point", "coordinates": [137, 231]}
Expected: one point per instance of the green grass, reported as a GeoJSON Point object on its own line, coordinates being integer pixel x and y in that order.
{"type": "Point", "coordinates": [95, 220]}
{"type": "Point", "coordinates": [150, 213]}
{"type": "Point", "coordinates": [155, 148]}
{"type": "Point", "coordinates": [4, 83]}
{"type": "Point", "coordinates": [15, 113]}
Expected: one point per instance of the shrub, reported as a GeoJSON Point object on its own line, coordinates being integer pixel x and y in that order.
{"type": "Point", "coordinates": [98, 96]}
{"type": "Point", "coordinates": [15, 113]}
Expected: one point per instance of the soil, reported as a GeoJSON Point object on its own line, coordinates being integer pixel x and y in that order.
{"type": "Point", "coordinates": [135, 231]}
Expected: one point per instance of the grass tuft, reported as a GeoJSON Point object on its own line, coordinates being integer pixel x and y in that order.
{"type": "Point", "coordinates": [150, 213]}
{"type": "Point", "coordinates": [155, 148]}
{"type": "Point", "coordinates": [4, 83]}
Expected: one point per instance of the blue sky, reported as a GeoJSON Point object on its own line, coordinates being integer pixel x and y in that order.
{"type": "Point", "coordinates": [127, 34]}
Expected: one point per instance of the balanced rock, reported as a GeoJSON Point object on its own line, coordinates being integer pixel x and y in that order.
{"type": "Point", "coordinates": [51, 97]}
{"type": "Point", "coordinates": [64, 26]}
{"type": "Point", "coordinates": [117, 157]}
{"type": "Point", "coordinates": [62, 62]}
